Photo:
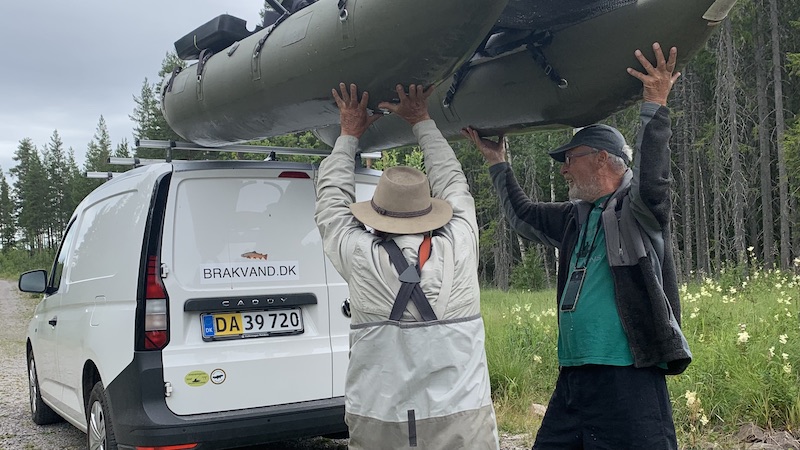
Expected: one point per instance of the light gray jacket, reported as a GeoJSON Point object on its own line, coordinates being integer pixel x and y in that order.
{"type": "Point", "coordinates": [410, 381]}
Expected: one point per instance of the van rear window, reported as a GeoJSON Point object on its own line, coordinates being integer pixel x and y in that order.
{"type": "Point", "coordinates": [235, 232]}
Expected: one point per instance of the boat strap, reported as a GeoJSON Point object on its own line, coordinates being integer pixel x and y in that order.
{"type": "Point", "coordinates": [168, 86]}
{"type": "Point", "coordinates": [535, 42]}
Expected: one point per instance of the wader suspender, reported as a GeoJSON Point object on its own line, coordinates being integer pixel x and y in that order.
{"type": "Point", "coordinates": [410, 289]}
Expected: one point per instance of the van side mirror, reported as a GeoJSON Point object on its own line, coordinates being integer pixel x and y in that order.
{"type": "Point", "coordinates": [34, 281]}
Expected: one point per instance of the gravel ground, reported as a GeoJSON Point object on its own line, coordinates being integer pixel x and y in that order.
{"type": "Point", "coordinates": [18, 432]}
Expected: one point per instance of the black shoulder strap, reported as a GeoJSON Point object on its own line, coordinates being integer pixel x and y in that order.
{"type": "Point", "coordinates": [410, 288]}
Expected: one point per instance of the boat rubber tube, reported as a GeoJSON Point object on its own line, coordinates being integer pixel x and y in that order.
{"type": "Point", "coordinates": [510, 93]}
{"type": "Point", "coordinates": [279, 79]}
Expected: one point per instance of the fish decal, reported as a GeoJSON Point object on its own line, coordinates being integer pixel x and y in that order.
{"type": "Point", "coordinates": [254, 255]}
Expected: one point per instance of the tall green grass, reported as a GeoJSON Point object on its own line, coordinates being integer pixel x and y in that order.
{"type": "Point", "coordinates": [743, 330]}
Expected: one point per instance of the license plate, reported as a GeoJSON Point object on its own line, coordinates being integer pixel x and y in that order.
{"type": "Point", "coordinates": [275, 322]}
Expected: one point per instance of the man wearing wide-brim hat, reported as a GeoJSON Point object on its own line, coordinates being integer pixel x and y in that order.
{"type": "Point", "coordinates": [417, 375]}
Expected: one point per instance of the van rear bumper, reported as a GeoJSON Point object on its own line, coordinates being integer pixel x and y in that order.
{"type": "Point", "coordinates": [141, 418]}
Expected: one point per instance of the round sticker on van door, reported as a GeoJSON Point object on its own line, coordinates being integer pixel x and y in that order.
{"type": "Point", "coordinates": [196, 378]}
{"type": "Point", "coordinates": [217, 376]}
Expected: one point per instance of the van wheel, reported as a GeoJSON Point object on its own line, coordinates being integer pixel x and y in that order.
{"type": "Point", "coordinates": [41, 414]}
{"type": "Point", "coordinates": [100, 431]}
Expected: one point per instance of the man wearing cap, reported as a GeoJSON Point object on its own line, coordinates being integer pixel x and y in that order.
{"type": "Point", "coordinates": [417, 375]}
{"type": "Point", "coordinates": [619, 311]}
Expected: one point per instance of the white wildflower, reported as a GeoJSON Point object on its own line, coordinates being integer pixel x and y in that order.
{"type": "Point", "coordinates": [691, 398]}
{"type": "Point", "coordinates": [744, 336]}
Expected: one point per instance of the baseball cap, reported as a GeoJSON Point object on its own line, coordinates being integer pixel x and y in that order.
{"type": "Point", "coordinates": [599, 136]}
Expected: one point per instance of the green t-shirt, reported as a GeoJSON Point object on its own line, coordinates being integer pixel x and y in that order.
{"type": "Point", "coordinates": [592, 333]}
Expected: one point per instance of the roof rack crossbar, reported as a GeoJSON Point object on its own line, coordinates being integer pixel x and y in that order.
{"type": "Point", "coordinates": [265, 149]}
{"type": "Point", "coordinates": [133, 161]}
{"type": "Point", "coordinates": [102, 175]}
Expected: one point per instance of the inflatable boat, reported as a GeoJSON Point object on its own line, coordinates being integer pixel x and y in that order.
{"type": "Point", "coordinates": [500, 66]}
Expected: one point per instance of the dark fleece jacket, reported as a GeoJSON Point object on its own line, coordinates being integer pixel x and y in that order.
{"type": "Point", "coordinates": [636, 221]}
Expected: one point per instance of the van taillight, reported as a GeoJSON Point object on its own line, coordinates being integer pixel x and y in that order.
{"type": "Point", "coordinates": [293, 174]}
{"type": "Point", "coordinates": [156, 331]}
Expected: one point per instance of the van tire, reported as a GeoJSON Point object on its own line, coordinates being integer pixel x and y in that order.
{"type": "Point", "coordinates": [41, 414]}
{"type": "Point", "coordinates": [99, 429]}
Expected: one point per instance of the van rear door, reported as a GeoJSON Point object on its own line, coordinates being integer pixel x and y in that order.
{"type": "Point", "coordinates": [244, 270]}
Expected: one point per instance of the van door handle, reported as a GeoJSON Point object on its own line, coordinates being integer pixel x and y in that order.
{"type": "Point", "coordinates": [53, 321]}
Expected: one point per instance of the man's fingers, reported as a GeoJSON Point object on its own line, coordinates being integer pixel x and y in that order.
{"type": "Point", "coordinates": [419, 92]}
{"type": "Point", "coordinates": [643, 61]}
{"type": "Point", "coordinates": [364, 100]}
{"type": "Point", "coordinates": [344, 95]}
{"type": "Point", "coordinates": [336, 98]}
{"type": "Point", "coordinates": [471, 133]}
{"type": "Point", "coordinates": [635, 73]}
{"type": "Point", "coordinates": [660, 61]}
{"type": "Point", "coordinates": [401, 93]}
{"type": "Point", "coordinates": [353, 93]}
{"type": "Point", "coordinates": [673, 59]}
{"type": "Point", "coordinates": [412, 92]}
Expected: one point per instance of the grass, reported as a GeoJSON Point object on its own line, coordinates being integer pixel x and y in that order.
{"type": "Point", "coordinates": [14, 262]}
{"type": "Point", "coordinates": [521, 352]}
{"type": "Point", "coordinates": [744, 332]}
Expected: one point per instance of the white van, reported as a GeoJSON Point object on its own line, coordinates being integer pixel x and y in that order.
{"type": "Point", "coordinates": [191, 306]}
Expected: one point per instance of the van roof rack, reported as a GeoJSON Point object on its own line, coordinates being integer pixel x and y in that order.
{"type": "Point", "coordinates": [271, 151]}
{"type": "Point", "coordinates": [169, 146]}
{"type": "Point", "coordinates": [102, 175]}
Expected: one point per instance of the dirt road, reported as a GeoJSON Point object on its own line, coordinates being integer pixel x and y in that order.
{"type": "Point", "coordinates": [18, 432]}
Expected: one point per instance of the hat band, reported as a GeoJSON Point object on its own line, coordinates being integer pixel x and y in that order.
{"type": "Point", "coordinates": [400, 215]}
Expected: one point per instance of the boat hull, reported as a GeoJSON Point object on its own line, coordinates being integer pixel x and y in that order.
{"type": "Point", "coordinates": [512, 94]}
{"type": "Point", "coordinates": [254, 90]}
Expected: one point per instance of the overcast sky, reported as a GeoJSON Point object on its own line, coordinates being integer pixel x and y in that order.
{"type": "Point", "coordinates": [65, 64]}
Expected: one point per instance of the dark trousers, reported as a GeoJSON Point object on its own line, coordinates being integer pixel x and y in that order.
{"type": "Point", "coordinates": [610, 408]}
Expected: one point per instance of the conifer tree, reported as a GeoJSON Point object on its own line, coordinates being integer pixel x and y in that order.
{"type": "Point", "coordinates": [30, 189]}
{"type": "Point", "coordinates": [58, 195]}
{"type": "Point", "coordinates": [8, 228]}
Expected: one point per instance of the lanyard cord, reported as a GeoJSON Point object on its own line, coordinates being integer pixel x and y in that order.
{"type": "Point", "coordinates": [584, 252]}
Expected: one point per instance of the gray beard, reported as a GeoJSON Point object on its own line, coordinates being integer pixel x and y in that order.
{"type": "Point", "coordinates": [588, 191]}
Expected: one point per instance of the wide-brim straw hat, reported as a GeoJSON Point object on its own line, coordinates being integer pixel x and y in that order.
{"type": "Point", "coordinates": [402, 204]}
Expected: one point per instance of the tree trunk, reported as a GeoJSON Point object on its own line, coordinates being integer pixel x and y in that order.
{"type": "Point", "coordinates": [737, 175]}
{"type": "Point", "coordinates": [502, 245]}
{"type": "Point", "coordinates": [767, 220]}
{"type": "Point", "coordinates": [701, 219]}
{"type": "Point", "coordinates": [716, 175]}
{"type": "Point", "coordinates": [783, 177]}
{"type": "Point", "coordinates": [502, 256]}
{"type": "Point", "coordinates": [686, 177]}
